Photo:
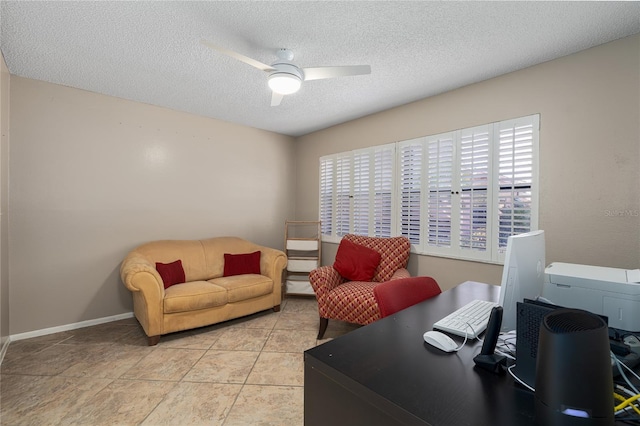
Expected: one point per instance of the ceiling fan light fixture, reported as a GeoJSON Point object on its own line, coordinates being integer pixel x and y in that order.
{"type": "Point", "coordinates": [284, 83]}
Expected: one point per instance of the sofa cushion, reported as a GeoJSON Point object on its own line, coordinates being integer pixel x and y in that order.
{"type": "Point", "coordinates": [192, 296]}
{"type": "Point", "coordinates": [171, 273]}
{"type": "Point", "coordinates": [243, 287]}
{"type": "Point", "coordinates": [355, 262]}
{"type": "Point", "coordinates": [239, 264]}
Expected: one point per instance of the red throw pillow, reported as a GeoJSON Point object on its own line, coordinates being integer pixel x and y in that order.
{"type": "Point", "coordinates": [355, 262]}
{"type": "Point", "coordinates": [171, 273]}
{"type": "Point", "coordinates": [238, 264]}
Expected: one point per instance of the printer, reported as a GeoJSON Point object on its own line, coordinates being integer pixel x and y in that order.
{"type": "Point", "coordinates": [612, 292]}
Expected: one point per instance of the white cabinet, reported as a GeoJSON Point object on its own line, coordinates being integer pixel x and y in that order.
{"type": "Point", "coordinates": [302, 245]}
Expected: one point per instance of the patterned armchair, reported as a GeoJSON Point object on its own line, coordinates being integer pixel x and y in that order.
{"type": "Point", "coordinates": [354, 301]}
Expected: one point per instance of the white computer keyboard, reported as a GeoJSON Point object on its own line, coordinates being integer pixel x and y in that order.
{"type": "Point", "coordinates": [470, 320]}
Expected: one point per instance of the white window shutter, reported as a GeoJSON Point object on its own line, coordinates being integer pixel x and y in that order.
{"type": "Point", "coordinates": [326, 195]}
{"type": "Point", "coordinates": [440, 184]}
{"type": "Point", "coordinates": [410, 188]}
{"type": "Point", "coordinates": [361, 192]}
{"type": "Point", "coordinates": [383, 172]}
{"type": "Point", "coordinates": [342, 198]}
{"type": "Point", "coordinates": [517, 177]}
{"type": "Point", "coordinates": [475, 190]}
{"type": "Point", "coordinates": [459, 194]}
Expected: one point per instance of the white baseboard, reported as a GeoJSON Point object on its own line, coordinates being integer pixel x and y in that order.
{"type": "Point", "coordinates": [58, 329]}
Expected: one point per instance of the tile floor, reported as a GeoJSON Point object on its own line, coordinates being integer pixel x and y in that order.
{"type": "Point", "coordinates": [247, 371]}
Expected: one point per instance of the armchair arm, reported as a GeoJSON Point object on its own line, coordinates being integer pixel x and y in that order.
{"type": "Point", "coordinates": [323, 280]}
{"type": "Point", "coordinates": [399, 274]}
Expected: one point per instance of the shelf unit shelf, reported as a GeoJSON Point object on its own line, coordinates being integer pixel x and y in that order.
{"type": "Point", "coordinates": [303, 248]}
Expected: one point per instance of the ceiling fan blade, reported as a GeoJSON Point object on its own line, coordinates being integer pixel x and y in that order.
{"type": "Point", "coordinates": [319, 73]}
{"type": "Point", "coordinates": [276, 98]}
{"type": "Point", "coordinates": [238, 56]}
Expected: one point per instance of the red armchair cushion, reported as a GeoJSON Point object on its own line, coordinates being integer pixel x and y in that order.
{"type": "Point", "coordinates": [394, 253]}
{"type": "Point", "coordinates": [396, 295]}
{"type": "Point", "coordinates": [239, 264]}
{"type": "Point", "coordinates": [171, 273]}
{"type": "Point", "coordinates": [355, 262]}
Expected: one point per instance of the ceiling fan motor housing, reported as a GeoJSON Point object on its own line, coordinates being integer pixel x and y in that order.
{"type": "Point", "coordinates": [287, 77]}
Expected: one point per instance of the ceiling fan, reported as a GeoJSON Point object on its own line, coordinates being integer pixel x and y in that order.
{"type": "Point", "coordinates": [285, 77]}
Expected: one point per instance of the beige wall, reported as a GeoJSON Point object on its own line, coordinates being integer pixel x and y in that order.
{"type": "Point", "coordinates": [4, 183]}
{"type": "Point", "coordinates": [589, 105]}
{"type": "Point", "coordinates": [93, 176]}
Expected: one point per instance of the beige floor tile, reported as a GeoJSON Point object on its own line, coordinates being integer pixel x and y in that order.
{"type": "Point", "coordinates": [223, 367]}
{"type": "Point", "coordinates": [47, 362]}
{"type": "Point", "coordinates": [298, 321]}
{"type": "Point", "coordinates": [135, 338]}
{"type": "Point", "coordinates": [23, 348]}
{"type": "Point", "coordinates": [101, 361]}
{"type": "Point", "coordinates": [43, 400]}
{"type": "Point", "coordinates": [268, 405]}
{"type": "Point", "coordinates": [107, 374]}
{"type": "Point", "coordinates": [164, 364]}
{"type": "Point", "coordinates": [49, 339]}
{"type": "Point", "coordinates": [290, 341]}
{"type": "Point", "coordinates": [123, 402]}
{"type": "Point", "coordinates": [242, 339]}
{"type": "Point", "coordinates": [194, 339]}
{"type": "Point", "coordinates": [301, 304]}
{"type": "Point", "coordinates": [276, 368]}
{"type": "Point", "coordinates": [194, 404]}
{"type": "Point", "coordinates": [107, 333]}
{"type": "Point", "coordinates": [339, 328]}
{"type": "Point", "coordinates": [265, 319]}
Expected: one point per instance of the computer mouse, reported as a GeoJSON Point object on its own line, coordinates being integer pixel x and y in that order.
{"type": "Point", "coordinates": [440, 341]}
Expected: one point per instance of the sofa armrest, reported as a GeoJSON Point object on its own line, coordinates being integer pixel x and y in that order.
{"type": "Point", "coordinates": [138, 274]}
{"type": "Point", "coordinates": [272, 263]}
{"type": "Point", "coordinates": [144, 281]}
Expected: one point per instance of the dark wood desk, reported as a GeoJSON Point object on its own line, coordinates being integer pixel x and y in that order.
{"type": "Point", "coordinates": [384, 374]}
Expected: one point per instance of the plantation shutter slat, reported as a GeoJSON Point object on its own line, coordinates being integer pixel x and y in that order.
{"type": "Point", "coordinates": [361, 183]}
{"type": "Point", "coordinates": [383, 162]}
{"type": "Point", "coordinates": [475, 181]}
{"type": "Point", "coordinates": [326, 195]}
{"type": "Point", "coordinates": [515, 178]}
{"type": "Point", "coordinates": [343, 195]}
{"type": "Point", "coordinates": [440, 168]}
{"type": "Point", "coordinates": [410, 189]}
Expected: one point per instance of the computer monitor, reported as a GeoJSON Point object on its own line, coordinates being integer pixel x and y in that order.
{"type": "Point", "coordinates": [523, 274]}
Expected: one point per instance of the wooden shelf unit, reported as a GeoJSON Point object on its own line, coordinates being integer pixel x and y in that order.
{"type": "Point", "coordinates": [303, 246]}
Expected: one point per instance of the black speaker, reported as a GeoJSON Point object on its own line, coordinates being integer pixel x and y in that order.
{"type": "Point", "coordinates": [574, 384]}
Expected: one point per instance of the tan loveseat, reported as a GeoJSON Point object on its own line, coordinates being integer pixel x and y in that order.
{"type": "Point", "coordinates": [207, 297]}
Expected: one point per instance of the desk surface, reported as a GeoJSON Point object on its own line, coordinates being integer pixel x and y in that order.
{"type": "Point", "coordinates": [388, 365]}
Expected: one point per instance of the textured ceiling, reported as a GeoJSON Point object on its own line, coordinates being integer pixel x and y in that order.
{"type": "Point", "coordinates": [150, 51]}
